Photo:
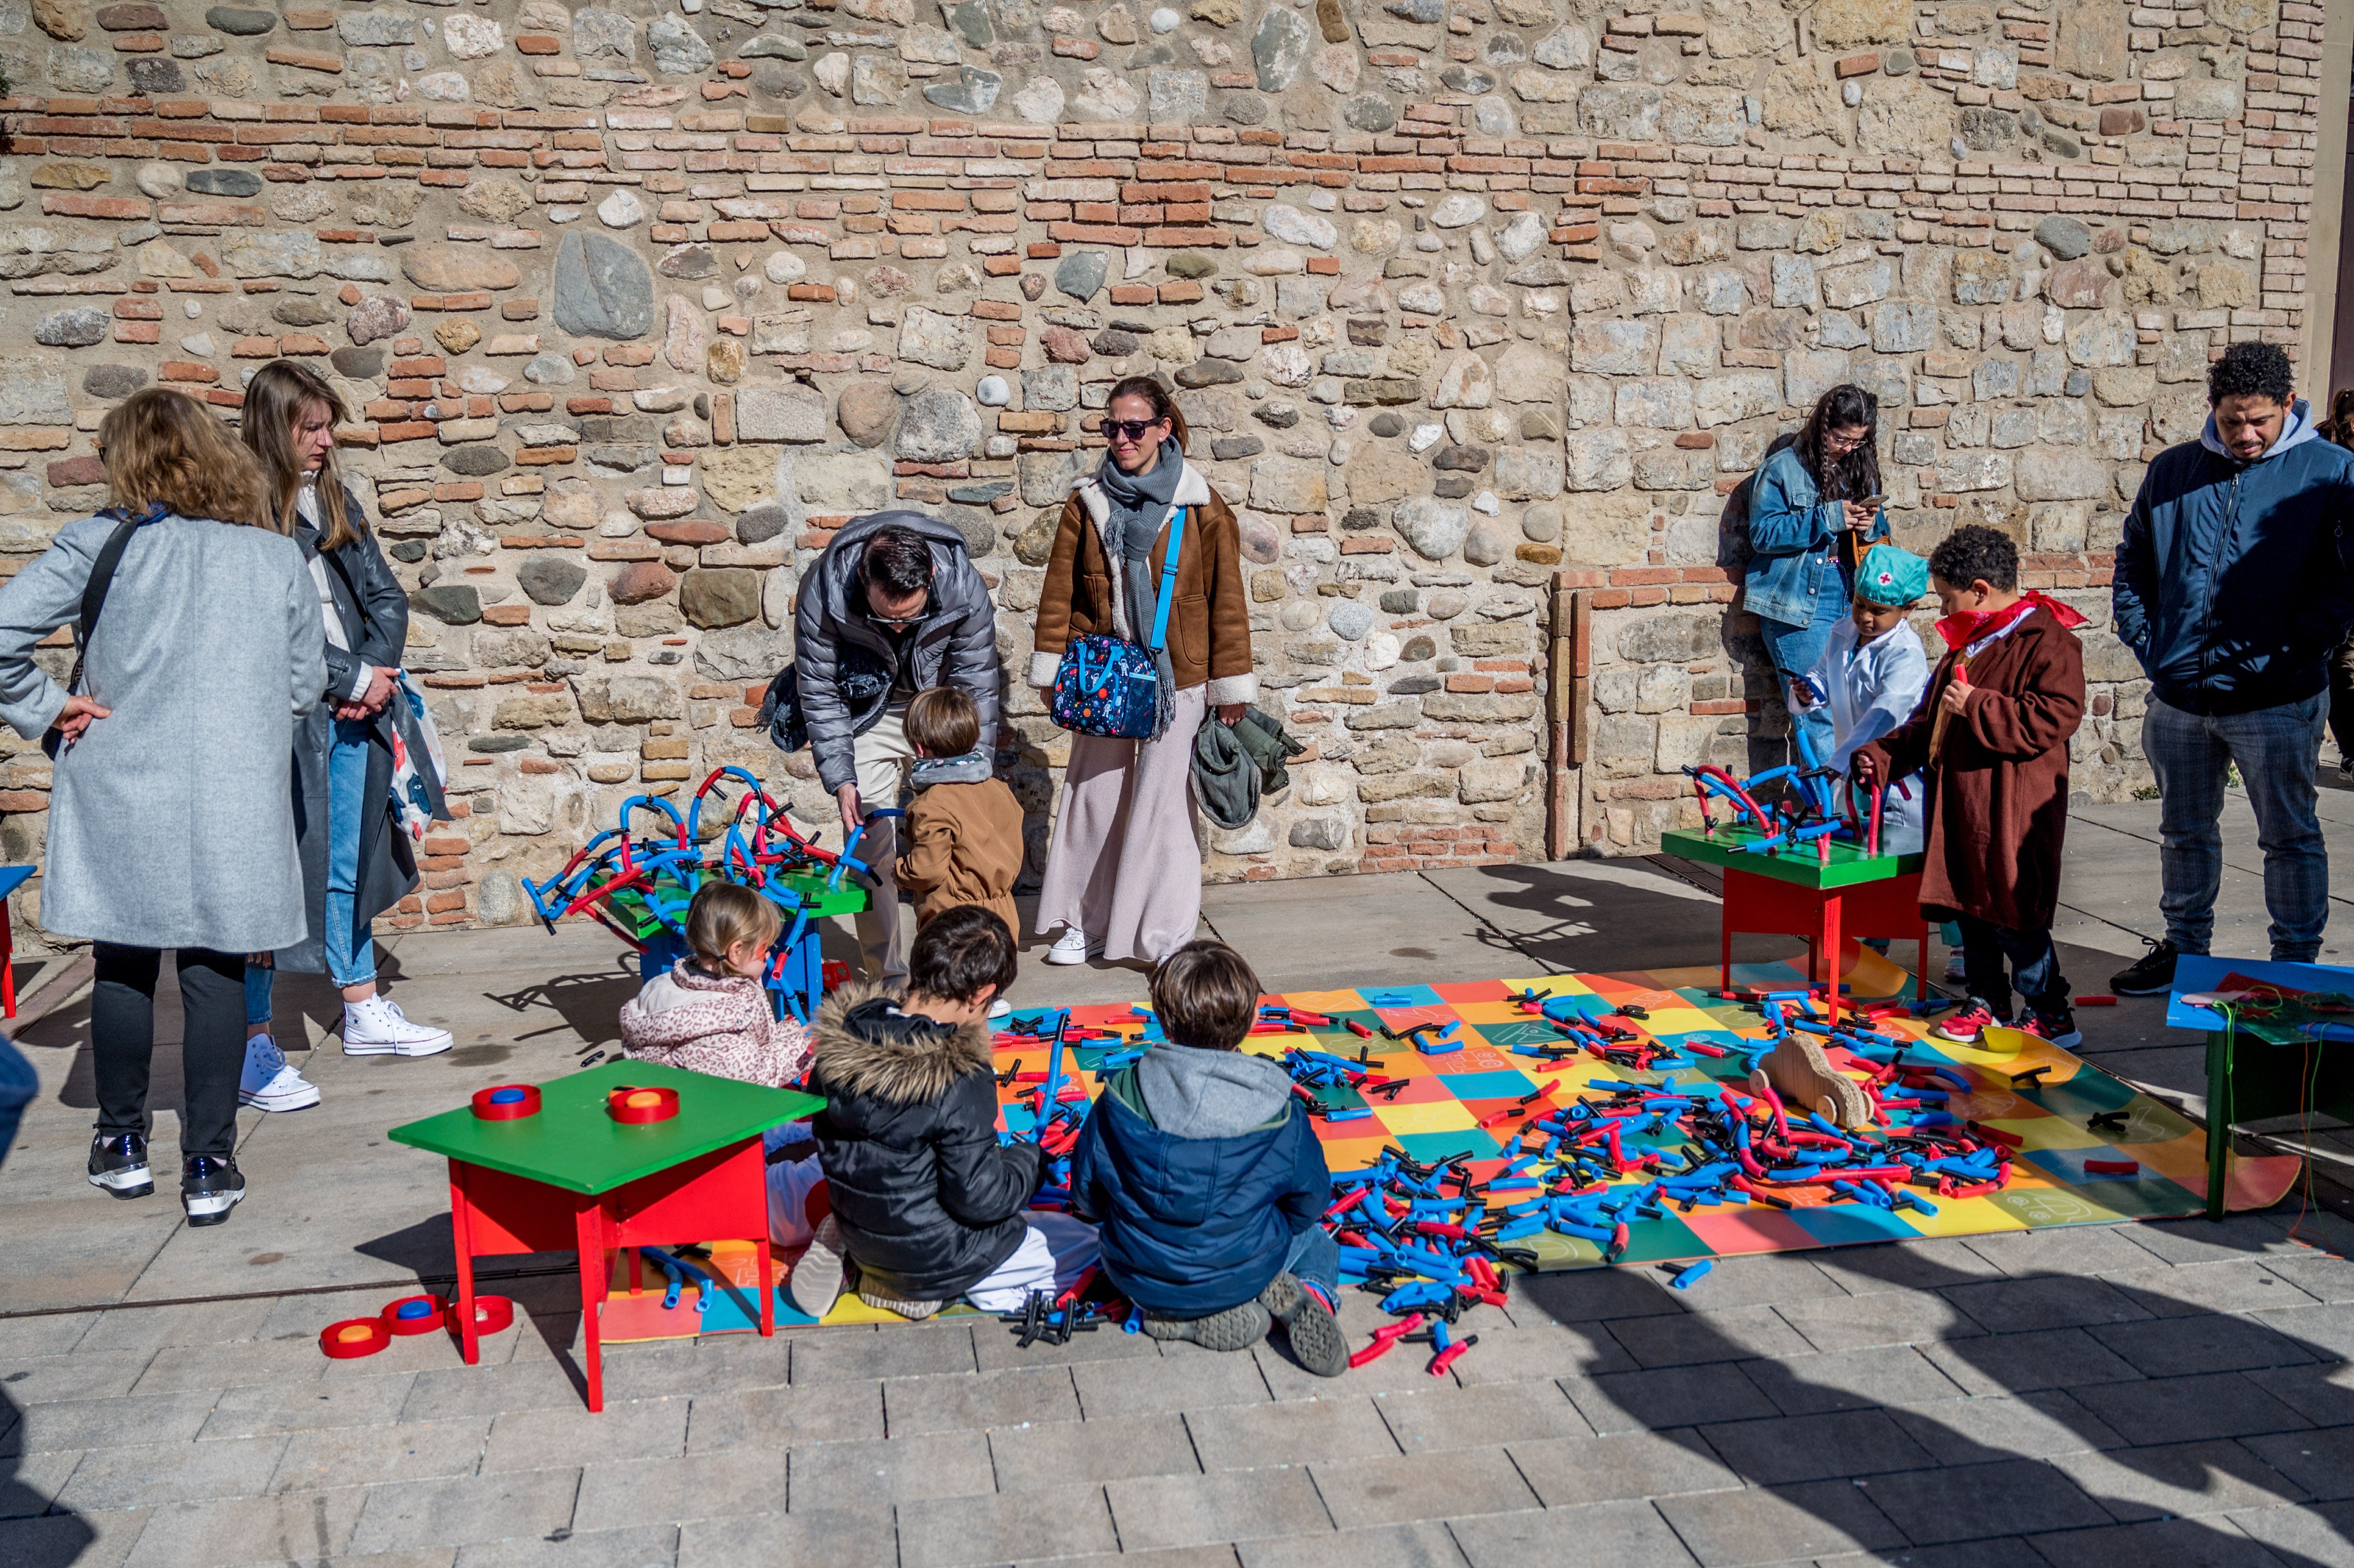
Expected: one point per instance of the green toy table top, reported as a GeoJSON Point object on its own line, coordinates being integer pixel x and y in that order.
{"type": "Point", "coordinates": [1849, 866]}
{"type": "Point", "coordinates": [574, 1144]}
{"type": "Point", "coordinates": [629, 904]}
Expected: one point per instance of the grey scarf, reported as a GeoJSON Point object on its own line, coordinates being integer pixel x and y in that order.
{"type": "Point", "coordinates": [973, 767]}
{"type": "Point", "coordinates": [1137, 504]}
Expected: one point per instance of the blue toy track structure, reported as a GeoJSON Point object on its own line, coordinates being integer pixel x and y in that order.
{"type": "Point", "coordinates": [1810, 812]}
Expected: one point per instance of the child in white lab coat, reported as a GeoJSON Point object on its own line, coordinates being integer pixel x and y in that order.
{"type": "Point", "coordinates": [1872, 675]}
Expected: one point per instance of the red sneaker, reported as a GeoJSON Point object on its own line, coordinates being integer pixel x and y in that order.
{"type": "Point", "coordinates": [1962, 1025]}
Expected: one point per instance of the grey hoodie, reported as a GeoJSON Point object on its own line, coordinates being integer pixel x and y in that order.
{"type": "Point", "coordinates": [1193, 1093]}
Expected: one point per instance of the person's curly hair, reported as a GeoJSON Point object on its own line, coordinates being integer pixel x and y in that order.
{"type": "Point", "coordinates": [164, 446]}
{"type": "Point", "coordinates": [1974, 553]}
{"type": "Point", "coordinates": [2252, 369]}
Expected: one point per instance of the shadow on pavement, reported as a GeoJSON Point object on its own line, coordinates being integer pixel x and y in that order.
{"type": "Point", "coordinates": [53, 1540]}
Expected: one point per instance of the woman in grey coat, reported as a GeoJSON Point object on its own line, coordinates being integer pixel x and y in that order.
{"type": "Point", "coordinates": [171, 817]}
{"type": "Point", "coordinates": [356, 864]}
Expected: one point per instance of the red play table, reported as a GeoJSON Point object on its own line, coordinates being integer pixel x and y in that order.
{"type": "Point", "coordinates": [573, 1179]}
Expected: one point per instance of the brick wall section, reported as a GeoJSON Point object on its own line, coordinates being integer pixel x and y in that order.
{"type": "Point", "coordinates": [1467, 298]}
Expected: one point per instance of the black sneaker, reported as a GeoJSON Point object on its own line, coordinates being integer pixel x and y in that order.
{"type": "Point", "coordinates": [1315, 1334]}
{"type": "Point", "coordinates": [209, 1188]}
{"type": "Point", "coordinates": [2058, 1028]}
{"type": "Point", "coordinates": [2152, 974]}
{"type": "Point", "coordinates": [119, 1166]}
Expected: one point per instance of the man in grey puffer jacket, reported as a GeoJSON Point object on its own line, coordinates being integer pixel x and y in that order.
{"type": "Point", "coordinates": [891, 608]}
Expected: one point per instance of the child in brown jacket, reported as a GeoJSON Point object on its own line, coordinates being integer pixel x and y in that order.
{"type": "Point", "coordinates": [964, 826]}
{"type": "Point", "coordinates": [1991, 733]}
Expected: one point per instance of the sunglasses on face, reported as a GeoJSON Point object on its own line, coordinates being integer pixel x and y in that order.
{"type": "Point", "coordinates": [1133, 429]}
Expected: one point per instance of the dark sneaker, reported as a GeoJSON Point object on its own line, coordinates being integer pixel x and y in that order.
{"type": "Point", "coordinates": [2152, 974]}
{"type": "Point", "coordinates": [119, 1166]}
{"type": "Point", "coordinates": [209, 1188]}
{"type": "Point", "coordinates": [1315, 1334]}
{"type": "Point", "coordinates": [1236, 1329]}
{"type": "Point", "coordinates": [2058, 1028]}
{"type": "Point", "coordinates": [1962, 1025]}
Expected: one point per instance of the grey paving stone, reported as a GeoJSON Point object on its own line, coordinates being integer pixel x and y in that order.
{"type": "Point", "coordinates": [997, 1347]}
{"type": "Point", "coordinates": [714, 1364]}
{"type": "Point", "coordinates": [1057, 1453]}
{"type": "Point", "coordinates": [1393, 1546]}
{"type": "Point", "coordinates": [1606, 1535]}
{"type": "Point", "coordinates": [538, 1439]}
{"type": "Point", "coordinates": [1851, 1380]}
{"type": "Point", "coordinates": [250, 1530]}
{"type": "Point", "coordinates": [829, 1412]}
{"type": "Point", "coordinates": [28, 1339]}
{"type": "Point", "coordinates": [2323, 1394]}
{"type": "Point", "coordinates": [2320, 1462]}
{"type": "Point", "coordinates": [1439, 1418]}
{"type": "Point", "coordinates": [276, 1363]}
{"type": "Point", "coordinates": [1664, 1397]}
{"type": "Point", "coordinates": [2179, 1479]}
{"type": "Point", "coordinates": [260, 1410]}
{"type": "Point", "coordinates": [2204, 1240]}
{"type": "Point", "coordinates": [978, 1400]}
{"type": "Point", "coordinates": [1407, 1366]}
{"type": "Point", "coordinates": [2318, 1275]}
{"type": "Point", "coordinates": [84, 1541]}
{"type": "Point", "coordinates": [620, 1496]}
{"type": "Point", "coordinates": [1188, 1380]}
{"type": "Point", "coordinates": [402, 1451]}
{"type": "Point", "coordinates": [100, 1376]}
{"type": "Point", "coordinates": [1568, 1472]}
{"type": "Point", "coordinates": [115, 1423]}
{"type": "Point", "coordinates": [1736, 1334]}
{"type": "Point", "coordinates": [1762, 1279]}
{"type": "Point", "coordinates": [2327, 1329]}
{"type": "Point", "coordinates": [2061, 1250]}
{"type": "Point", "coordinates": [1181, 1557]}
{"type": "Point", "coordinates": [1402, 1489]}
{"type": "Point", "coordinates": [1816, 1519]}
{"type": "Point", "coordinates": [2017, 1363]}
{"type": "Point", "coordinates": [172, 1472]}
{"type": "Point", "coordinates": [2175, 1543]}
{"type": "Point", "coordinates": [1814, 1447]}
{"type": "Point", "coordinates": [837, 1355]}
{"type": "Point", "coordinates": [2180, 1290]}
{"type": "Point", "coordinates": [853, 1476]}
{"type": "Point", "coordinates": [1884, 1317]}
{"type": "Point", "coordinates": [1515, 1353]}
{"type": "Point", "coordinates": [2211, 1342]}
{"type": "Point", "coordinates": [1927, 1265]}
{"type": "Point", "coordinates": [35, 1482]}
{"type": "Point", "coordinates": [2049, 1301]}
{"type": "Point", "coordinates": [2185, 1409]}
{"type": "Point", "coordinates": [1300, 1432]}
{"type": "Point", "coordinates": [1157, 1512]}
{"type": "Point", "coordinates": [464, 1510]}
{"type": "Point", "coordinates": [948, 1532]}
{"type": "Point", "coordinates": [1589, 1295]}
{"type": "Point", "coordinates": [1964, 1502]}
{"type": "Point", "coordinates": [641, 1546]}
{"type": "Point", "coordinates": [2318, 1537]}
{"type": "Point", "coordinates": [150, 1329]}
{"type": "Point", "coordinates": [2006, 1552]}
{"type": "Point", "coordinates": [1980, 1430]}
{"type": "Point", "coordinates": [855, 1540]}
{"type": "Point", "coordinates": [488, 1390]}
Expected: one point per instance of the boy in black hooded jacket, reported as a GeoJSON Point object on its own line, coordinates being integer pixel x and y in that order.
{"type": "Point", "coordinates": [925, 1200]}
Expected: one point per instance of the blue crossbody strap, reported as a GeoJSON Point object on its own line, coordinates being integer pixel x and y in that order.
{"type": "Point", "coordinates": [1167, 581]}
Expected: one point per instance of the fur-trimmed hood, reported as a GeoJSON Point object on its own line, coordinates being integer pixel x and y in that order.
{"type": "Point", "coordinates": [866, 1046]}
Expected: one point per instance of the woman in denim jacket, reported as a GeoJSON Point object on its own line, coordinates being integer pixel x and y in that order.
{"type": "Point", "coordinates": [1812, 511]}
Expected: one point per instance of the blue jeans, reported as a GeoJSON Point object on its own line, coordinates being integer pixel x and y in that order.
{"type": "Point", "coordinates": [1315, 1259]}
{"type": "Point", "coordinates": [259, 978]}
{"type": "Point", "coordinates": [1795, 650]}
{"type": "Point", "coordinates": [2034, 966]}
{"type": "Point", "coordinates": [2278, 750]}
{"type": "Point", "coordinates": [351, 958]}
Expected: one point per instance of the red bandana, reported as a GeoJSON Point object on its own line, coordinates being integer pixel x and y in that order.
{"type": "Point", "coordinates": [1966, 627]}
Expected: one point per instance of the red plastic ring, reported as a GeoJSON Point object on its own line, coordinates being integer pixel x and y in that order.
{"type": "Point", "coordinates": [631, 1104]}
{"type": "Point", "coordinates": [492, 1313]}
{"type": "Point", "coordinates": [423, 1323]}
{"type": "Point", "coordinates": [353, 1337]}
{"type": "Point", "coordinates": [489, 1110]}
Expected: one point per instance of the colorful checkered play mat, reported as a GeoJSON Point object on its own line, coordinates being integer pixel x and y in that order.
{"type": "Point", "coordinates": [1438, 1114]}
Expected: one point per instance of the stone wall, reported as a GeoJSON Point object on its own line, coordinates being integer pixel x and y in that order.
{"type": "Point", "coordinates": [1469, 299]}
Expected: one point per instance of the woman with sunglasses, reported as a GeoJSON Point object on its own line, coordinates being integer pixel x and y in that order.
{"type": "Point", "coordinates": [1124, 873]}
{"type": "Point", "coordinates": [1814, 508]}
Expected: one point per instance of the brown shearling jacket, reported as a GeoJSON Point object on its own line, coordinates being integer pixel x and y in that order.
{"type": "Point", "coordinates": [1209, 618]}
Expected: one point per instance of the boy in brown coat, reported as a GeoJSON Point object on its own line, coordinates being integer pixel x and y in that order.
{"type": "Point", "coordinates": [964, 826]}
{"type": "Point", "coordinates": [1992, 734]}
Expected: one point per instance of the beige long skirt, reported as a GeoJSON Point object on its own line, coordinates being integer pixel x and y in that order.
{"type": "Point", "coordinates": [1125, 866]}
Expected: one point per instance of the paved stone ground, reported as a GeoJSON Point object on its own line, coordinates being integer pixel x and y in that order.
{"type": "Point", "coordinates": [2150, 1395]}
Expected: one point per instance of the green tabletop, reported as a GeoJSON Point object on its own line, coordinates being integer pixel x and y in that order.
{"type": "Point", "coordinates": [1849, 866]}
{"type": "Point", "coordinates": [629, 904]}
{"type": "Point", "coordinates": [574, 1144]}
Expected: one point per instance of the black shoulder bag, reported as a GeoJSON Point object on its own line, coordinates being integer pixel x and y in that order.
{"type": "Point", "coordinates": [93, 596]}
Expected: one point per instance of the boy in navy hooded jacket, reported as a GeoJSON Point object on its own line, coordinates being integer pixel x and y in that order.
{"type": "Point", "coordinates": [1208, 1180]}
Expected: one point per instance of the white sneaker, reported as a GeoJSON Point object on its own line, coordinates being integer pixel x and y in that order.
{"type": "Point", "coordinates": [999, 1009]}
{"type": "Point", "coordinates": [816, 1280]}
{"type": "Point", "coordinates": [268, 1083]}
{"type": "Point", "coordinates": [1072, 947]}
{"type": "Point", "coordinates": [377, 1027]}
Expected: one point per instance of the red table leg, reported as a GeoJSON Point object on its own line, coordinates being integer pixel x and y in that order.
{"type": "Point", "coordinates": [589, 1223]}
{"type": "Point", "coordinates": [8, 960]}
{"type": "Point", "coordinates": [461, 1233]}
{"type": "Point", "coordinates": [1829, 938]}
{"type": "Point", "coordinates": [768, 1286]}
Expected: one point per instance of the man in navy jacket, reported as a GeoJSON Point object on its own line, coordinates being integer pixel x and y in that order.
{"type": "Point", "coordinates": [2232, 588]}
